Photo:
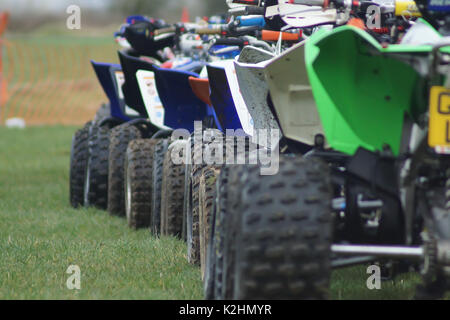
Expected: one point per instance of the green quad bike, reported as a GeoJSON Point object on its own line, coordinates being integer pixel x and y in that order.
{"type": "Point", "coordinates": [375, 185]}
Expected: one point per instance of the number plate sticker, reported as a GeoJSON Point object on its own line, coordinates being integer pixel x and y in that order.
{"type": "Point", "coordinates": [439, 125]}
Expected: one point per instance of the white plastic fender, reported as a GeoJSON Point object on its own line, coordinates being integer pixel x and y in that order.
{"type": "Point", "coordinates": [292, 96]}
{"type": "Point", "coordinates": [254, 88]}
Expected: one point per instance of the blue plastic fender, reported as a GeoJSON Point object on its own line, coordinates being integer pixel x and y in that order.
{"type": "Point", "coordinates": [222, 99]}
{"type": "Point", "coordinates": [181, 105]}
{"type": "Point", "coordinates": [106, 76]}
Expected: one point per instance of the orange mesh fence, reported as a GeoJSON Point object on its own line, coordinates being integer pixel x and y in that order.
{"type": "Point", "coordinates": [49, 79]}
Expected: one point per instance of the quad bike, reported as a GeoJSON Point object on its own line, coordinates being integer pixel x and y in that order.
{"type": "Point", "coordinates": [233, 113]}
{"type": "Point", "coordinates": [120, 131]}
{"type": "Point", "coordinates": [243, 113]}
{"type": "Point", "coordinates": [90, 145]}
{"type": "Point", "coordinates": [168, 79]}
{"type": "Point", "coordinates": [89, 155]}
{"type": "Point", "coordinates": [176, 82]}
{"type": "Point", "coordinates": [179, 109]}
{"type": "Point", "coordinates": [372, 185]}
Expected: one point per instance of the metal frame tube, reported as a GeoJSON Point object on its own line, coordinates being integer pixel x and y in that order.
{"type": "Point", "coordinates": [415, 253]}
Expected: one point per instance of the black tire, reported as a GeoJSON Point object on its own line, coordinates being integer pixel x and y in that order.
{"type": "Point", "coordinates": [120, 137]}
{"type": "Point", "coordinates": [187, 205]}
{"type": "Point", "coordinates": [193, 253]}
{"type": "Point", "coordinates": [103, 112]}
{"type": "Point", "coordinates": [219, 271]}
{"type": "Point", "coordinates": [160, 150]}
{"type": "Point", "coordinates": [214, 282]}
{"type": "Point", "coordinates": [281, 232]}
{"type": "Point", "coordinates": [193, 219]}
{"type": "Point", "coordinates": [172, 194]}
{"type": "Point", "coordinates": [96, 174]}
{"type": "Point", "coordinates": [207, 193]}
{"type": "Point", "coordinates": [193, 223]}
{"type": "Point", "coordinates": [210, 268]}
{"type": "Point", "coordinates": [231, 208]}
{"type": "Point", "coordinates": [138, 172]}
{"type": "Point", "coordinates": [78, 160]}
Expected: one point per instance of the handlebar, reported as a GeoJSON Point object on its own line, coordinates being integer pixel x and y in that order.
{"type": "Point", "coordinates": [319, 3]}
{"type": "Point", "coordinates": [248, 2]}
{"type": "Point", "coordinates": [159, 32]}
{"type": "Point", "coordinates": [250, 21]}
{"type": "Point", "coordinates": [230, 42]}
{"type": "Point", "coordinates": [213, 30]}
{"type": "Point", "coordinates": [268, 35]}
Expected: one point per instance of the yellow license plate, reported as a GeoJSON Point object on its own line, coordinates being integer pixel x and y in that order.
{"type": "Point", "coordinates": [439, 126]}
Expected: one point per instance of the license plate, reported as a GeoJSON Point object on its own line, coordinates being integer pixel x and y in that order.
{"type": "Point", "coordinates": [439, 126]}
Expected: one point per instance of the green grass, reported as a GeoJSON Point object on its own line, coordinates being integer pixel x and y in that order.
{"type": "Point", "coordinates": [41, 236]}
{"type": "Point", "coordinates": [350, 283]}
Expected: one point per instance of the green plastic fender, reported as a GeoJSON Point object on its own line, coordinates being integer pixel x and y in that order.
{"type": "Point", "coordinates": [363, 90]}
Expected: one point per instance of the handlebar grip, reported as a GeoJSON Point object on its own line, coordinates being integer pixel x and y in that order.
{"type": "Point", "coordinates": [230, 42]}
{"type": "Point", "coordinates": [249, 2]}
{"type": "Point", "coordinates": [268, 35]}
{"type": "Point", "coordinates": [159, 32]}
{"type": "Point", "coordinates": [243, 31]}
{"type": "Point", "coordinates": [251, 21]}
{"type": "Point", "coordinates": [208, 30]}
{"type": "Point", "coordinates": [320, 3]}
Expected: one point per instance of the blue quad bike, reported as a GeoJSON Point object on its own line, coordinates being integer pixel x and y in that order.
{"type": "Point", "coordinates": [90, 145]}
{"type": "Point", "coordinates": [143, 192]}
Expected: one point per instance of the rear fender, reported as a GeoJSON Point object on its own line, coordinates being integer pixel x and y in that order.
{"type": "Point", "coordinates": [109, 75]}
{"type": "Point", "coordinates": [361, 89]}
{"type": "Point", "coordinates": [292, 96]}
{"type": "Point", "coordinates": [222, 99]}
{"type": "Point", "coordinates": [181, 105]}
{"type": "Point", "coordinates": [254, 87]}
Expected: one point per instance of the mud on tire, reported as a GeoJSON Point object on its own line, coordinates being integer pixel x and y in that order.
{"type": "Point", "coordinates": [172, 194]}
{"type": "Point", "coordinates": [283, 232]}
{"type": "Point", "coordinates": [120, 137]}
{"type": "Point", "coordinates": [215, 283]}
{"type": "Point", "coordinates": [138, 172]}
{"type": "Point", "coordinates": [207, 193]}
{"type": "Point", "coordinates": [160, 150]}
{"type": "Point", "coordinates": [193, 214]}
{"type": "Point", "coordinates": [190, 208]}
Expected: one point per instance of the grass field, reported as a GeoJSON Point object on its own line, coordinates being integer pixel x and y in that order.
{"type": "Point", "coordinates": [40, 236]}
{"type": "Point", "coordinates": [49, 76]}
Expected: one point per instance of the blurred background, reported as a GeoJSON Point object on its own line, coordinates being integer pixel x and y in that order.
{"type": "Point", "coordinates": [45, 72]}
